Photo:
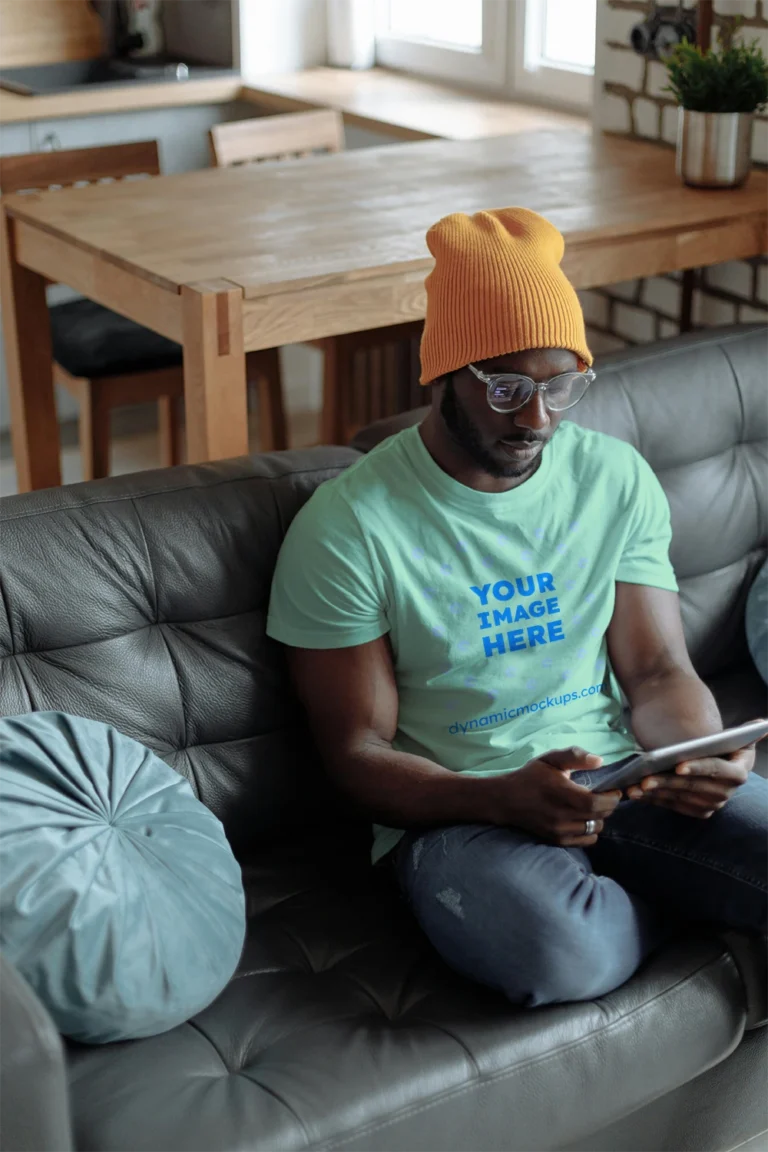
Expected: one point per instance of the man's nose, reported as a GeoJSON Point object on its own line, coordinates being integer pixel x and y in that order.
{"type": "Point", "coordinates": [534, 414]}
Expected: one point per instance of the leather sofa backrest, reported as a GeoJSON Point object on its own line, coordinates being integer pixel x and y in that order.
{"type": "Point", "coordinates": [697, 408]}
{"type": "Point", "coordinates": [141, 601]}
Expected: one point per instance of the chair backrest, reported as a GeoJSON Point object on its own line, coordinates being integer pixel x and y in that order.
{"type": "Point", "coordinates": [36, 171]}
{"type": "Point", "coordinates": [277, 137]}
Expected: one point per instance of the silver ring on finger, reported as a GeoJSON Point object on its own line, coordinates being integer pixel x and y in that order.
{"type": "Point", "coordinates": [590, 827]}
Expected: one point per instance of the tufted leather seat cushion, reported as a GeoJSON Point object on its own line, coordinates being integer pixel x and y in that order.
{"type": "Point", "coordinates": [90, 340]}
{"type": "Point", "coordinates": [343, 1031]}
{"type": "Point", "coordinates": [142, 600]}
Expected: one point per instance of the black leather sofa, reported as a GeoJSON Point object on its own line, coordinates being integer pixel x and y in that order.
{"type": "Point", "coordinates": [141, 601]}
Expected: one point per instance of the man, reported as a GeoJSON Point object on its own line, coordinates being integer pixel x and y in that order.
{"type": "Point", "coordinates": [460, 608]}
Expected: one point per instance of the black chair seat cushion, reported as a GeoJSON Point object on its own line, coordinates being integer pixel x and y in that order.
{"type": "Point", "coordinates": [343, 1030]}
{"type": "Point", "coordinates": [89, 340]}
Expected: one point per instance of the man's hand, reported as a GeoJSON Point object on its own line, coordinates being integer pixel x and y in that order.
{"type": "Point", "coordinates": [541, 798]}
{"type": "Point", "coordinates": [697, 787]}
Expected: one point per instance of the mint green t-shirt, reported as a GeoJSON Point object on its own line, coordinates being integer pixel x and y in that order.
{"type": "Point", "coordinates": [496, 604]}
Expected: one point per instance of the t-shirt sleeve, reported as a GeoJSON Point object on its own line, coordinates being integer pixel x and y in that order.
{"type": "Point", "coordinates": [645, 558]}
{"type": "Point", "coordinates": [325, 593]}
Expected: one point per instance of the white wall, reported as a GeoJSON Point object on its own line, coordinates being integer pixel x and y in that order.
{"type": "Point", "coordinates": [281, 36]}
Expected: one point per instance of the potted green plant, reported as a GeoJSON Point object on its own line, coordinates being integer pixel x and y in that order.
{"type": "Point", "coordinates": [718, 93]}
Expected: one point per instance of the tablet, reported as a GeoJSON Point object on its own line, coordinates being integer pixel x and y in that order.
{"type": "Point", "coordinates": [666, 759]}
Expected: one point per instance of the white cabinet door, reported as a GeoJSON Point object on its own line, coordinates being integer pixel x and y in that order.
{"type": "Point", "coordinates": [182, 133]}
{"type": "Point", "coordinates": [15, 138]}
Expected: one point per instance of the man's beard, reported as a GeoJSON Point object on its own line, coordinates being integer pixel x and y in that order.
{"type": "Point", "coordinates": [467, 436]}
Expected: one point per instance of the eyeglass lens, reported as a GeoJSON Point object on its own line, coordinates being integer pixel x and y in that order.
{"type": "Point", "coordinates": [514, 392]}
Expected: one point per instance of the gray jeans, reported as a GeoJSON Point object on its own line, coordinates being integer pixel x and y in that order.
{"type": "Point", "coordinates": [545, 924]}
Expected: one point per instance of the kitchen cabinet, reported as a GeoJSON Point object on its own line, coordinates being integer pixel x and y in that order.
{"type": "Point", "coordinates": [15, 138]}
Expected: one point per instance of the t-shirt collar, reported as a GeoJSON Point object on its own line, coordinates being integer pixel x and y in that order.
{"type": "Point", "coordinates": [444, 488]}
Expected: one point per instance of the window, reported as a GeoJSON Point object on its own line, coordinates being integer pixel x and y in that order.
{"type": "Point", "coordinates": [461, 22]}
{"type": "Point", "coordinates": [461, 40]}
{"type": "Point", "coordinates": [554, 49]}
{"type": "Point", "coordinates": [542, 49]}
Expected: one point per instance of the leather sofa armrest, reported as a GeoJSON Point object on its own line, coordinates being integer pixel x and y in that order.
{"type": "Point", "coordinates": [33, 1076]}
{"type": "Point", "coordinates": [750, 953]}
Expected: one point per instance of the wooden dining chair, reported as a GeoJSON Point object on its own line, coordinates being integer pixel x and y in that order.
{"type": "Point", "coordinates": [102, 358]}
{"type": "Point", "coordinates": [345, 408]}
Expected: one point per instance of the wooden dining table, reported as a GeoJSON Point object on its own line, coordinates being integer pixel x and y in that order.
{"type": "Point", "coordinates": [229, 261]}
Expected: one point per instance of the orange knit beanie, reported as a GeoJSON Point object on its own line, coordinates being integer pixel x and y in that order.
{"type": "Point", "coordinates": [497, 287]}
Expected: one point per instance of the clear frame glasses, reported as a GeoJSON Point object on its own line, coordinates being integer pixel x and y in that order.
{"type": "Point", "coordinates": [509, 391]}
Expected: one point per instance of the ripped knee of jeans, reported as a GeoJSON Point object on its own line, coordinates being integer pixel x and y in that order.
{"type": "Point", "coordinates": [451, 899]}
{"type": "Point", "coordinates": [417, 850]}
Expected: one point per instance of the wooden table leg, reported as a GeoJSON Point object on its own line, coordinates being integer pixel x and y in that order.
{"type": "Point", "coordinates": [27, 337]}
{"type": "Point", "coordinates": [686, 300]}
{"type": "Point", "coordinates": [337, 389]}
{"type": "Point", "coordinates": [214, 371]}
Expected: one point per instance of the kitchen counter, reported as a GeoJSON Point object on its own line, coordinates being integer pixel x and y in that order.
{"type": "Point", "coordinates": [404, 107]}
{"type": "Point", "coordinates": [94, 99]}
{"type": "Point", "coordinates": [407, 107]}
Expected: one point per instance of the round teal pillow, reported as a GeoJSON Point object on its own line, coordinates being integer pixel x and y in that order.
{"type": "Point", "coordinates": [121, 901]}
{"type": "Point", "coordinates": [757, 621]}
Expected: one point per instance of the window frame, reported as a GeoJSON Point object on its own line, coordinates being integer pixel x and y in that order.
{"type": "Point", "coordinates": [514, 33]}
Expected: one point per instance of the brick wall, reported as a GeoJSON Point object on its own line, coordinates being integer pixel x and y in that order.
{"type": "Point", "coordinates": [630, 101]}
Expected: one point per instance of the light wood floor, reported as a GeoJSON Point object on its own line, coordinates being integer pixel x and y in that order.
{"type": "Point", "coordinates": [137, 451]}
